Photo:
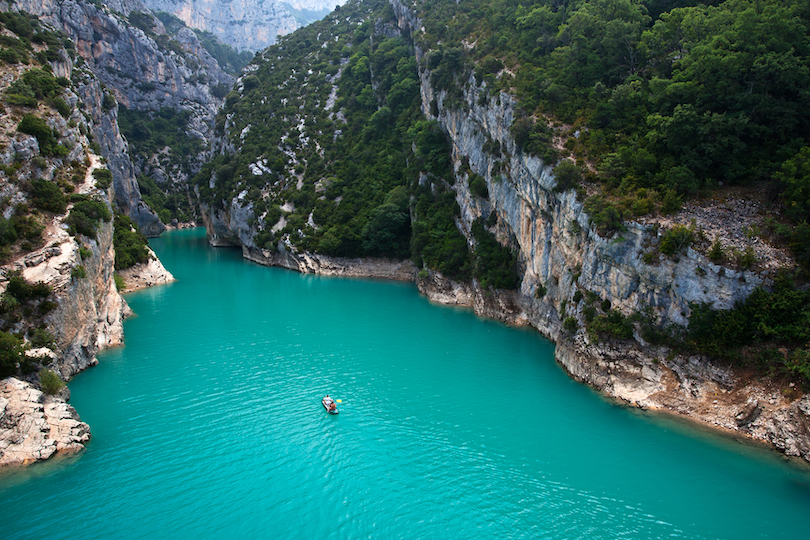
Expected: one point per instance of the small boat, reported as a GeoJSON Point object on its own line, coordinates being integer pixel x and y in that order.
{"type": "Point", "coordinates": [329, 404]}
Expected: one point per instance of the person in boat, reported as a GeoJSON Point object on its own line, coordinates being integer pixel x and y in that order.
{"type": "Point", "coordinates": [332, 406]}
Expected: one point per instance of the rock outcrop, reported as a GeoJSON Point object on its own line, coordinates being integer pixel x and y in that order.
{"type": "Point", "coordinates": [147, 274]}
{"type": "Point", "coordinates": [245, 25]}
{"type": "Point", "coordinates": [144, 70]}
{"type": "Point", "coordinates": [35, 426]}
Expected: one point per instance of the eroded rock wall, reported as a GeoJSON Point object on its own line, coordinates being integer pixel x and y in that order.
{"type": "Point", "coordinates": [141, 74]}
{"type": "Point", "coordinates": [35, 426]}
{"type": "Point", "coordinates": [561, 252]}
{"type": "Point", "coordinates": [243, 24]}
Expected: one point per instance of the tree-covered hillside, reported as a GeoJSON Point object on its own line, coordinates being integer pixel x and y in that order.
{"type": "Point", "coordinates": [639, 106]}
{"type": "Point", "coordinates": [331, 144]}
{"type": "Point", "coordinates": [663, 100]}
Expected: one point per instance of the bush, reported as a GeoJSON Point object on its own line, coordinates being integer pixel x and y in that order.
{"type": "Point", "coordinates": [108, 102]}
{"type": "Point", "coordinates": [10, 354]}
{"type": "Point", "coordinates": [478, 186]}
{"type": "Point", "coordinates": [676, 240]}
{"type": "Point", "coordinates": [23, 291]}
{"type": "Point", "coordinates": [61, 106]}
{"type": "Point", "coordinates": [36, 126]}
{"type": "Point", "coordinates": [613, 325]}
{"type": "Point", "coordinates": [85, 215]}
{"type": "Point", "coordinates": [47, 196]}
{"type": "Point", "coordinates": [570, 324]}
{"type": "Point", "coordinates": [41, 338]}
{"type": "Point", "coordinates": [541, 291]}
{"type": "Point", "coordinates": [716, 252]}
{"type": "Point", "coordinates": [568, 175]}
{"type": "Point", "coordinates": [607, 218]}
{"type": "Point", "coordinates": [51, 382]}
{"type": "Point", "coordinates": [78, 272]}
{"type": "Point", "coordinates": [747, 258]}
{"type": "Point", "coordinates": [130, 245]}
{"type": "Point", "coordinates": [120, 284]}
{"type": "Point", "coordinates": [103, 178]}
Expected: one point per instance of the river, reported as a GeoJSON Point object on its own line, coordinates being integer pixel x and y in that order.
{"type": "Point", "coordinates": [208, 424]}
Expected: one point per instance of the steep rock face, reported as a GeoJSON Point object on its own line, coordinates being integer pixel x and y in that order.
{"type": "Point", "coordinates": [36, 426]}
{"type": "Point", "coordinates": [243, 24]}
{"type": "Point", "coordinates": [78, 269]}
{"type": "Point", "coordinates": [559, 250]}
{"type": "Point", "coordinates": [141, 75]}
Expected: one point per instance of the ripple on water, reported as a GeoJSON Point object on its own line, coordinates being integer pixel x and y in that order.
{"type": "Point", "coordinates": [208, 423]}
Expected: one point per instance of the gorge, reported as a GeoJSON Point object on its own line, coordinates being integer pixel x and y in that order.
{"type": "Point", "coordinates": [375, 72]}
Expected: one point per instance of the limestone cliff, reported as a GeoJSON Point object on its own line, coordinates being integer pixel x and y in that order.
{"type": "Point", "coordinates": [85, 311]}
{"type": "Point", "coordinates": [35, 426]}
{"type": "Point", "coordinates": [561, 253]}
{"type": "Point", "coordinates": [245, 24]}
{"type": "Point", "coordinates": [145, 69]}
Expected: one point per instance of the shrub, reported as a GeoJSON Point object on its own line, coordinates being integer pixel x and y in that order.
{"type": "Point", "coordinates": [78, 272]}
{"type": "Point", "coordinates": [120, 284]}
{"type": "Point", "coordinates": [716, 252]}
{"type": "Point", "coordinates": [85, 215]}
{"type": "Point", "coordinates": [10, 354]}
{"type": "Point", "coordinates": [50, 381]}
{"type": "Point", "coordinates": [607, 218]}
{"type": "Point", "coordinates": [613, 324]}
{"type": "Point", "coordinates": [47, 196]}
{"type": "Point", "coordinates": [747, 258]}
{"type": "Point", "coordinates": [570, 324]}
{"type": "Point", "coordinates": [130, 245]}
{"type": "Point", "coordinates": [23, 291]}
{"type": "Point", "coordinates": [540, 292]}
{"type": "Point", "coordinates": [41, 338]}
{"type": "Point", "coordinates": [478, 186]}
{"type": "Point", "coordinates": [108, 102]}
{"type": "Point", "coordinates": [568, 175]}
{"type": "Point", "coordinates": [36, 126]}
{"type": "Point", "coordinates": [61, 106]}
{"type": "Point", "coordinates": [103, 178]}
{"type": "Point", "coordinates": [671, 203]}
{"type": "Point", "coordinates": [676, 240]}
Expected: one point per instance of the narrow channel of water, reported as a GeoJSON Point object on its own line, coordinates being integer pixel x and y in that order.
{"type": "Point", "coordinates": [208, 423]}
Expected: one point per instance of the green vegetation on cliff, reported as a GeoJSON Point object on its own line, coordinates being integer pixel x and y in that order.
{"type": "Point", "coordinates": [334, 153]}
{"type": "Point", "coordinates": [667, 99]}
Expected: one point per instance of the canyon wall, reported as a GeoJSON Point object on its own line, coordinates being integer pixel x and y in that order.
{"type": "Point", "coordinates": [242, 24]}
{"type": "Point", "coordinates": [142, 70]}
{"type": "Point", "coordinates": [562, 258]}
{"type": "Point", "coordinates": [560, 253]}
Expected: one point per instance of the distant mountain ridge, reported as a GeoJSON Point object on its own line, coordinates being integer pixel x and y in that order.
{"type": "Point", "coordinates": [246, 24]}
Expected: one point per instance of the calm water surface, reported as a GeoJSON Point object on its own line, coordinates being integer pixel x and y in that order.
{"type": "Point", "coordinates": [208, 424]}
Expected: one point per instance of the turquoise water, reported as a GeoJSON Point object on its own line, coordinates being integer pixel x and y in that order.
{"type": "Point", "coordinates": [208, 423]}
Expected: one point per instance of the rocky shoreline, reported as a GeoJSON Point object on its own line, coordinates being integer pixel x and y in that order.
{"type": "Point", "coordinates": [653, 378]}
{"type": "Point", "coordinates": [144, 275]}
{"type": "Point", "coordinates": [35, 426]}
